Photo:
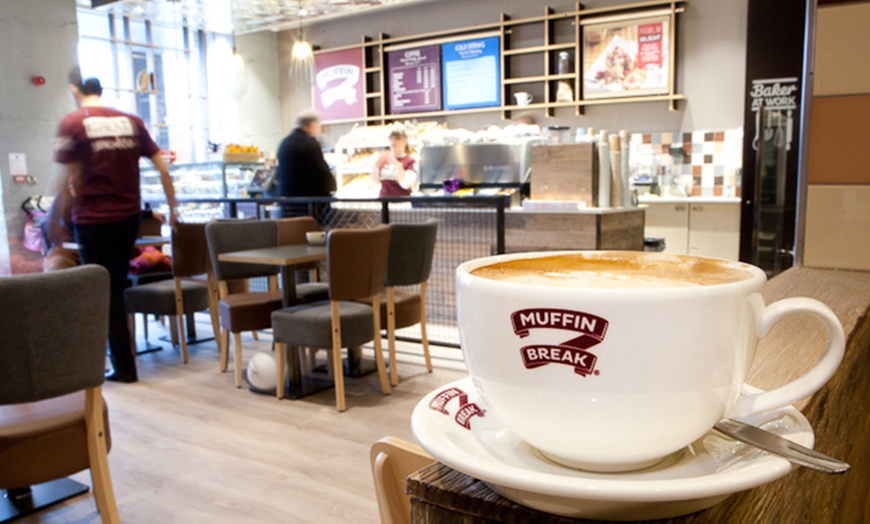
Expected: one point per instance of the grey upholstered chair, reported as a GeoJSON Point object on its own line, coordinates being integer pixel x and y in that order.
{"type": "Point", "coordinates": [53, 421]}
{"type": "Point", "coordinates": [245, 311]}
{"type": "Point", "coordinates": [412, 247]}
{"type": "Point", "coordinates": [357, 265]}
{"type": "Point", "coordinates": [180, 297]}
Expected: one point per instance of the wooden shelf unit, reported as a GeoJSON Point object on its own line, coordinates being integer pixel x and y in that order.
{"type": "Point", "coordinates": [377, 82]}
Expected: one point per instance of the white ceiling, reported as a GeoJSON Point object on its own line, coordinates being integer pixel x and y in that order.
{"type": "Point", "coordinates": [241, 16]}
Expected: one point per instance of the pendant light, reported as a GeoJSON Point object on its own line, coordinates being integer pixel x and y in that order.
{"type": "Point", "coordinates": [302, 55]}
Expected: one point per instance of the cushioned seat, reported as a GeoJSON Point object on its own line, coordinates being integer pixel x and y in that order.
{"type": "Point", "coordinates": [304, 324]}
{"type": "Point", "coordinates": [407, 305]}
{"type": "Point", "coordinates": [31, 428]}
{"type": "Point", "coordinates": [158, 298]}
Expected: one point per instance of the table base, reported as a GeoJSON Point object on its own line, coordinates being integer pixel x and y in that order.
{"type": "Point", "coordinates": [40, 497]}
{"type": "Point", "coordinates": [359, 368]}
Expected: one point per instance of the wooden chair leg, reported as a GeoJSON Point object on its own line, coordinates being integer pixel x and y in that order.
{"type": "Point", "coordinates": [280, 367]}
{"type": "Point", "coordinates": [391, 334]}
{"type": "Point", "coordinates": [379, 351]}
{"type": "Point", "coordinates": [98, 459]}
{"type": "Point", "coordinates": [335, 356]}
{"type": "Point", "coordinates": [224, 348]}
{"type": "Point", "coordinates": [173, 329]}
{"type": "Point", "coordinates": [424, 338]}
{"type": "Point", "coordinates": [213, 307]}
{"type": "Point", "coordinates": [255, 335]}
{"type": "Point", "coordinates": [179, 312]}
{"type": "Point", "coordinates": [237, 357]}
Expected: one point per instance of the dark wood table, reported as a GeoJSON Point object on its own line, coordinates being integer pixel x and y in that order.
{"type": "Point", "coordinates": [839, 414]}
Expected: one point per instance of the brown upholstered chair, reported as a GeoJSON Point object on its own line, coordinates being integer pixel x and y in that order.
{"type": "Point", "coordinates": [291, 231]}
{"type": "Point", "coordinates": [412, 247]}
{"type": "Point", "coordinates": [53, 421]}
{"type": "Point", "coordinates": [357, 265]}
{"type": "Point", "coordinates": [245, 311]}
{"type": "Point", "coordinates": [186, 293]}
{"type": "Point", "coordinates": [392, 460]}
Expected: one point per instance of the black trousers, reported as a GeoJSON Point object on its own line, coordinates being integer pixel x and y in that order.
{"type": "Point", "coordinates": [111, 245]}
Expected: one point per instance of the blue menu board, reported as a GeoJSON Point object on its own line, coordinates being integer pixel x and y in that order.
{"type": "Point", "coordinates": [470, 71]}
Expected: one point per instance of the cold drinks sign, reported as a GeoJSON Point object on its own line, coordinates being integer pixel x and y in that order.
{"type": "Point", "coordinates": [338, 85]}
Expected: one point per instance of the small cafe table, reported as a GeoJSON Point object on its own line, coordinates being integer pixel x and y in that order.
{"type": "Point", "coordinates": [839, 414]}
{"type": "Point", "coordinates": [286, 257]}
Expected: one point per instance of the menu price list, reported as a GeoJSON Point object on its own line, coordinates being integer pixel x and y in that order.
{"type": "Point", "coordinates": [415, 80]}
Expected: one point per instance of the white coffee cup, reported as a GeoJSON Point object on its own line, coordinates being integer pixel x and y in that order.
{"type": "Point", "coordinates": [616, 373]}
{"type": "Point", "coordinates": [523, 98]}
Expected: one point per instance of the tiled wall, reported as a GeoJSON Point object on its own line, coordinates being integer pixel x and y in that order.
{"type": "Point", "coordinates": [704, 163]}
{"type": "Point", "coordinates": [838, 195]}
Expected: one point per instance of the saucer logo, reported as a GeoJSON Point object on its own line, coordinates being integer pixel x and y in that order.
{"type": "Point", "coordinates": [571, 352]}
{"type": "Point", "coordinates": [466, 409]}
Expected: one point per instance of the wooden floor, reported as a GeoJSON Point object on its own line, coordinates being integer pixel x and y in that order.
{"type": "Point", "coordinates": [189, 447]}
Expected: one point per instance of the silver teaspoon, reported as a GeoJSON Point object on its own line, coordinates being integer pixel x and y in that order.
{"type": "Point", "coordinates": [777, 445]}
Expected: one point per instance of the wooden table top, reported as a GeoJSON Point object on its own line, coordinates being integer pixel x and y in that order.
{"type": "Point", "coordinates": [279, 256]}
{"type": "Point", "coordinates": [839, 414]}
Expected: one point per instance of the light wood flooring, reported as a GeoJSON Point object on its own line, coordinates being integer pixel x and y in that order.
{"type": "Point", "coordinates": [188, 447]}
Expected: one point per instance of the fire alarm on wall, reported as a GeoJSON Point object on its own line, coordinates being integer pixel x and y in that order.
{"type": "Point", "coordinates": [38, 80]}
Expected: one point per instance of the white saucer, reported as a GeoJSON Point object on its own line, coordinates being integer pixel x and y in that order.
{"type": "Point", "coordinates": [699, 476]}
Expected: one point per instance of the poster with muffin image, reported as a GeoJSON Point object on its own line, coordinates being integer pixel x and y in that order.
{"type": "Point", "coordinates": [626, 58]}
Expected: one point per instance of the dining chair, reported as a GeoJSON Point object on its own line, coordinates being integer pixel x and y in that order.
{"type": "Point", "coordinates": [291, 231]}
{"type": "Point", "coordinates": [53, 419]}
{"type": "Point", "coordinates": [357, 264]}
{"type": "Point", "coordinates": [412, 247]}
{"type": "Point", "coordinates": [246, 310]}
{"type": "Point", "coordinates": [392, 460]}
{"type": "Point", "coordinates": [185, 294]}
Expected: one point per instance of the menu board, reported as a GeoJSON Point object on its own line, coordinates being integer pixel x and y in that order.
{"type": "Point", "coordinates": [470, 70]}
{"type": "Point", "coordinates": [415, 79]}
{"type": "Point", "coordinates": [626, 58]}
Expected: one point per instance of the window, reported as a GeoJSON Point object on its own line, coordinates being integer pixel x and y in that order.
{"type": "Point", "coordinates": [158, 72]}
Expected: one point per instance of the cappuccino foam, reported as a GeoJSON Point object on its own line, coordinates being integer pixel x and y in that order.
{"type": "Point", "coordinates": [614, 270]}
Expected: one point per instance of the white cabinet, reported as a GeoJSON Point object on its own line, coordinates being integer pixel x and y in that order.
{"type": "Point", "coordinates": [670, 221]}
{"type": "Point", "coordinates": [714, 230]}
{"type": "Point", "coordinates": [706, 228]}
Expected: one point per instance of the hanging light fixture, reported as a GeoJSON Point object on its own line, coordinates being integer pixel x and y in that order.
{"type": "Point", "coordinates": [302, 54]}
{"type": "Point", "coordinates": [239, 73]}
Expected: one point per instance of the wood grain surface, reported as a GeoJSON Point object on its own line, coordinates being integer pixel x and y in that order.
{"type": "Point", "coordinates": [839, 413]}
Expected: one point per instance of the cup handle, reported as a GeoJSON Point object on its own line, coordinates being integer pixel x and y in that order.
{"type": "Point", "coordinates": [812, 380]}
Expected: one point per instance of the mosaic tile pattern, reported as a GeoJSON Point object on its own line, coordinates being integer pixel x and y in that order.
{"type": "Point", "coordinates": [702, 163]}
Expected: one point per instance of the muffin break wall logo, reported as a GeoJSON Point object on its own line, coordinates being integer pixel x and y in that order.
{"type": "Point", "coordinates": [591, 330]}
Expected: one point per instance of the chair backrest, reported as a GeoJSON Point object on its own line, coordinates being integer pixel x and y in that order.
{"type": "Point", "coordinates": [357, 262]}
{"type": "Point", "coordinates": [150, 227]}
{"type": "Point", "coordinates": [225, 236]}
{"type": "Point", "coordinates": [412, 247]}
{"type": "Point", "coordinates": [392, 460]}
{"type": "Point", "coordinates": [53, 334]}
{"type": "Point", "coordinates": [189, 250]}
{"type": "Point", "coordinates": [292, 230]}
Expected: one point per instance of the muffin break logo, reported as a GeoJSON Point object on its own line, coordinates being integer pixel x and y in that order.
{"type": "Point", "coordinates": [466, 411]}
{"type": "Point", "coordinates": [591, 330]}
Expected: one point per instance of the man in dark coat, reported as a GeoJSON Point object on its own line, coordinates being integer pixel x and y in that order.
{"type": "Point", "coordinates": [302, 170]}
